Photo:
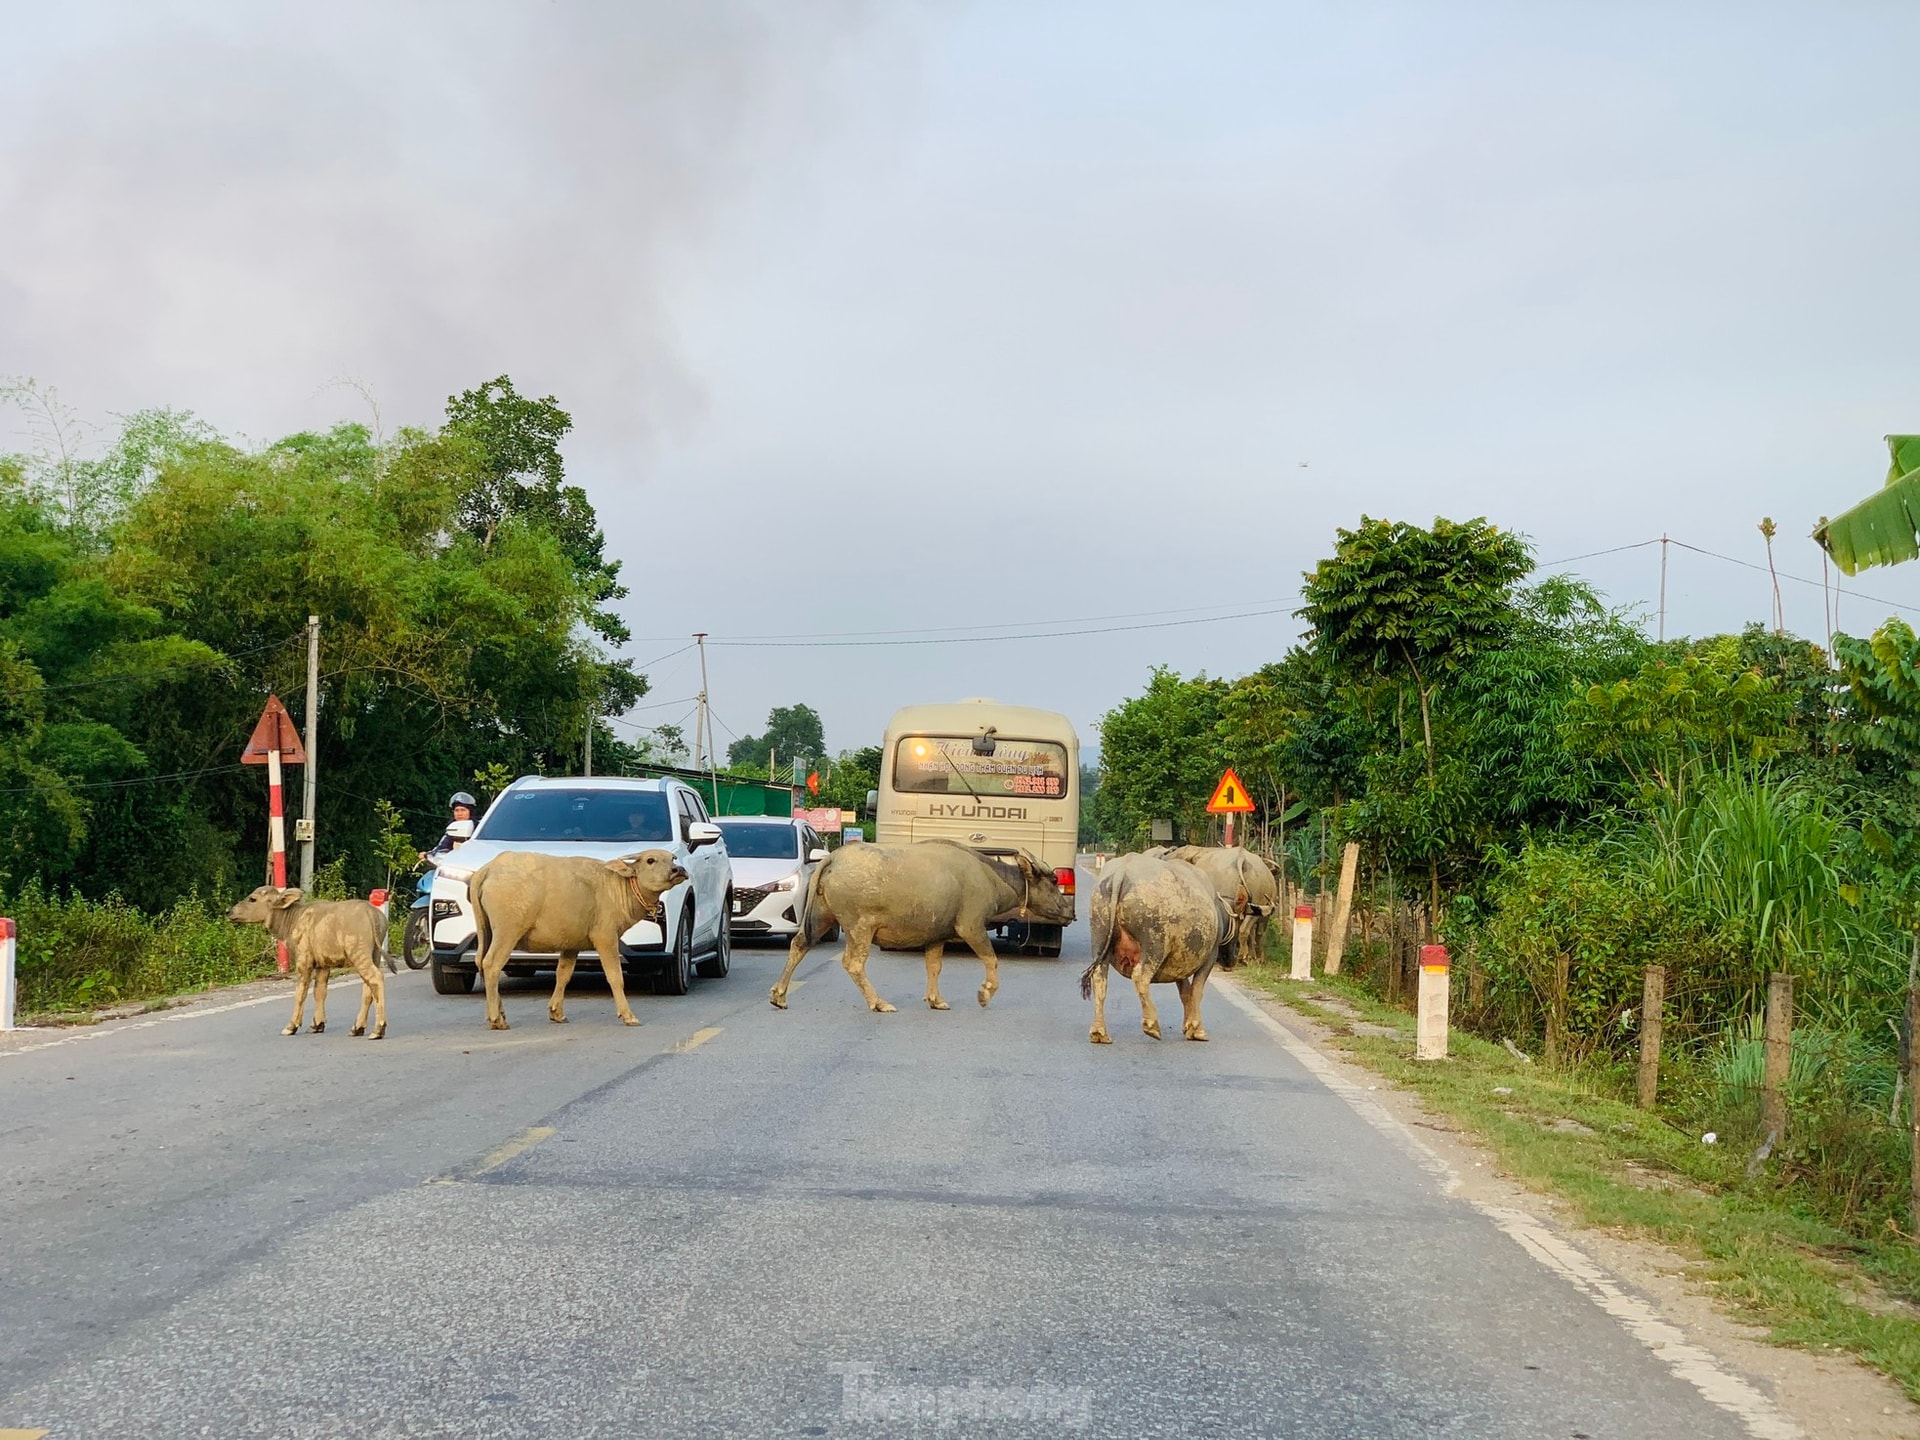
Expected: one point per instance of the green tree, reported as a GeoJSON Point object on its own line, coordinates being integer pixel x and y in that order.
{"type": "Point", "coordinates": [793, 733]}
{"type": "Point", "coordinates": [1160, 756]}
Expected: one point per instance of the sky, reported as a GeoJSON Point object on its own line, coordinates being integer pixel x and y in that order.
{"type": "Point", "coordinates": [931, 325]}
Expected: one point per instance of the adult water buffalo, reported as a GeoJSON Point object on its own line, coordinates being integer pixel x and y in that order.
{"type": "Point", "coordinates": [1246, 882]}
{"type": "Point", "coordinates": [564, 903]}
{"type": "Point", "coordinates": [322, 936]}
{"type": "Point", "coordinates": [1155, 920]}
{"type": "Point", "coordinates": [920, 897]}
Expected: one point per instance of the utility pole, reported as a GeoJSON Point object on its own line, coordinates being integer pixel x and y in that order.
{"type": "Point", "coordinates": [309, 778]}
{"type": "Point", "coordinates": [1663, 589]}
{"type": "Point", "coordinates": [706, 722]}
{"type": "Point", "coordinates": [700, 720]}
{"type": "Point", "coordinates": [587, 765]}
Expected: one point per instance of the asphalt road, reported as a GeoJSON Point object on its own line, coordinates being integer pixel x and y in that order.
{"type": "Point", "coordinates": [737, 1221]}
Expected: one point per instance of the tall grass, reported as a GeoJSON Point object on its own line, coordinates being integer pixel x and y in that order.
{"type": "Point", "coordinates": [76, 954]}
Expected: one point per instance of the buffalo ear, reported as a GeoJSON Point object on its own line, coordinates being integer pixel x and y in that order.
{"type": "Point", "coordinates": [623, 868]}
{"type": "Point", "coordinates": [285, 898]}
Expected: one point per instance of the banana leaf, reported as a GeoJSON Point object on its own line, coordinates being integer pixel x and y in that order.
{"type": "Point", "coordinates": [1883, 529]}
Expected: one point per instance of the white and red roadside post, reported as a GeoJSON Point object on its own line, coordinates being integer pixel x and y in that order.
{"type": "Point", "coordinates": [1430, 1023]}
{"type": "Point", "coordinates": [8, 991]}
{"type": "Point", "coordinates": [273, 741]}
{"type": "Point", "coordinates": [1302, 943]}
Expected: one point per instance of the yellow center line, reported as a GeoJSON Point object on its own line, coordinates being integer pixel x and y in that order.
{"type": "Point", "coordinates": [519, 1145]}
{"type": "Point", "coordinates": [21, 1434]}
{"type": "Point", "coordinates": [695, 1040]}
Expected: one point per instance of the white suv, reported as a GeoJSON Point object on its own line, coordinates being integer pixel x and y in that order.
{"type": "Point", "coordinates": [602, 818]}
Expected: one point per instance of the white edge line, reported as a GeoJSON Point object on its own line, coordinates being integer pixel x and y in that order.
{"type": "Point", "coordinates": [1667, 1341]}
{"type": "Point", "coordinates": [109, 1028]}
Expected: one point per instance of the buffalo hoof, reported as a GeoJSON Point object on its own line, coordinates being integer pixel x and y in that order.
{"type": "Point", "coordinates": [1197, 1033]}
{"type": "Point", "coordinates": [985, 997]}
{"type": "Point", "coordinates": [293, 1029]}
{"type": "Point", "coordinates": [379, 1034]}
{"type": "Point", "coordinates": [500, 1024]}
{"type": "Point", "coordinates": [778, 998]}
{"type": "Point", "coordinates": [881, 1007]}
{"type": "Point", "coordinates": [1100, 1037]}
{"type": "Point", "coordinates": [629, 1019]}
{"type": "Point", "coordinates": [556, 1018]}
{"type": "Point", "coordinates": [358, 1030]}
{"type": "Point", "coordinates": [319, 1026]}
{"type": "Point", "coordinates": [934, 1002]}
{"type": "Point", "coordinates": [1151, 1029]}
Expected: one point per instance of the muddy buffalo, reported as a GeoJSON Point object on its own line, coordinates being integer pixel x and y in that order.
{"type": "Point", "coordinates": [564, 904]}
{"type": "Point", "coordinates": [1246, 882]}
{"type": "Point", "coordinates": [1156, 921]}
{"type": "Point", "coordinates": [920, 897]}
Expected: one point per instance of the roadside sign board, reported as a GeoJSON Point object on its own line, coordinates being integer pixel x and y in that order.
{"type": "Point", "coordinates": [274, 732]}
{"type": "Point", "coordinates": [825, 819]}
{"type": "Point", "coordinates": [1230, 797]}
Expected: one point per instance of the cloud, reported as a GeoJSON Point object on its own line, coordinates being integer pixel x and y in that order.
{"type": "Point", "coordinates": [218, 207]}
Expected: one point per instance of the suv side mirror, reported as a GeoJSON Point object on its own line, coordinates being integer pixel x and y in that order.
{"type": "Point", "coordinates": [816, 854]}
{"type": "Point", "coordinates": [701, 832]}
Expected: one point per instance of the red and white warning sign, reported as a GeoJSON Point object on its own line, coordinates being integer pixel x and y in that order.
{"type": "Point", "coordinates": [1230, 797]}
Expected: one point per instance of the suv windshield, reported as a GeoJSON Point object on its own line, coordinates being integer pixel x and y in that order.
{"type": "Point", "coordinates": [588, 816]}
{"type": "Point", "coordinates": [761, 842]}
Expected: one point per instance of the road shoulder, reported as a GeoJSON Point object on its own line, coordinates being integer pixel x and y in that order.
{"type": "Point", "coordinates": [1824, 1394]}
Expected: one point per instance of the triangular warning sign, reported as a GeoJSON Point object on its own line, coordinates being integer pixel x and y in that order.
{"type": "Point", "coordinates": [274, 732]}
{"type": "Point", "coordinates": [1230, 797]}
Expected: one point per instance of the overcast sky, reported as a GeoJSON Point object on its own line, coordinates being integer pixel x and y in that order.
{"type": "Point", "coordinates": [916, 317]}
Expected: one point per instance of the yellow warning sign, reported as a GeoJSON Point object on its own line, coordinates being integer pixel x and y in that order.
{"type": "Point", "coordinates": [1230, 797]}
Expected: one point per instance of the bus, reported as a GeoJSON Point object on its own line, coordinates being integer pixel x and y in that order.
{"type": "Point", "coordinates": [1000, 778]}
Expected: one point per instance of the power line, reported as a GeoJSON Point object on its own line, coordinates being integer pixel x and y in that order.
{"type": "Point", "coordinates": [988, 639]}
{"type": "Point", "coordinates": [119, 784]}
{"type": "Point", "coordinates": [1006, 625]}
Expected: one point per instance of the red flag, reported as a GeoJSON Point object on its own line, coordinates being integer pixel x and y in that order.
{"type": "Point", "coordinates": [813, 783]}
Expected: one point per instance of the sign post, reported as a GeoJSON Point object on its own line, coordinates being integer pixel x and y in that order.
{"type": "Point", "coordinates": [274, 741]}
{"type": "Point", "coordinates": [1230, 798]}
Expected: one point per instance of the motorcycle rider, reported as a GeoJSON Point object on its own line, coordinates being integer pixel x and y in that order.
{"type": "Point", "coordinates": [462, 805]}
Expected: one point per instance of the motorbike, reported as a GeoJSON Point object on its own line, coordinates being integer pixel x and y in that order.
{"type": "Point", "coordinates": [416, 940]}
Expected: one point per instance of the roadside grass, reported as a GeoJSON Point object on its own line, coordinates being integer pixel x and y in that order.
{"type": "Point", "coordinates": [77, 956]}
{"type": "Point", "coordinates": [1762, 1250]}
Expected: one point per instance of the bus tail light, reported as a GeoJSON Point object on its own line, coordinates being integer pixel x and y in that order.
{"type": "Point", "coordinates": [1064, 875]}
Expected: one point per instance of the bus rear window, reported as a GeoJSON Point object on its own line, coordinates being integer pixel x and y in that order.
{"type": "Point", "coordinates": [946, 765]}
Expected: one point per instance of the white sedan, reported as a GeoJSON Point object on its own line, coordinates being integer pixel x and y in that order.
{"type": "Point", "coordinates": [771, 856]}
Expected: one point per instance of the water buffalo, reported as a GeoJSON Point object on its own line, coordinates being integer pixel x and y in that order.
{"type": "Point", "coordinates": [1155, 920]}
{"type": "Point", "coordinates": [1246, 882]}
{"type": "Point", "coordinates": [564, 903]}
{"type": "Point", "coordinates": [920, 897]}
{"type": "Point", "coordinates": [322, 936]}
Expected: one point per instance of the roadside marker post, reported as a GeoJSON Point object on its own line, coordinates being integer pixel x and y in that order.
{"type": "Point", "coordinates": [1430, 1024]}
{"type": "Point", "coordinates": [8, 993]}
{"type": "Point", "coordinates": [1302, 943]}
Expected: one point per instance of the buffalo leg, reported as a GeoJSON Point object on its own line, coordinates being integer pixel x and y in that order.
{"type": "Point", "coordinates": [982, 945]}
{"type": "Point", "coordinates": [607, 947]}
{"type": "Point", "coordinates": [320, 998]}
{"type": "Point", "coordinates": [562, 973]}
{"type": "Point", "coordinates": [500, 946]}
{"type": "Point", "coordinates": [374, 983]}
{"type": "Point", "coordinates": [854, 960]}
{"type": "Point", "coordinates": [1143, 982]}
{"type": "Point", "coordinates": [1191, 989]}
{"type": "Point", "coordinates": [303, 978]}
{"type": "Point", "coordinates": [1098, 1034]}
{"type": "Point", "coordinates": [796, 952]}
{"type": "Point", "coordinates": [935, 953]}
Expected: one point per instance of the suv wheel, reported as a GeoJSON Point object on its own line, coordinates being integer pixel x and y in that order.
{"type": "Point", "coordinates": [677, 978]}
{"type": "Point", "coordinates": [716, 965]}
{"type": "Point", "coordinates": [453, 979]}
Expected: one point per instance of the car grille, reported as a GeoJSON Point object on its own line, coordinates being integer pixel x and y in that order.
{"type": "Point", "coordinates": [745, 900]}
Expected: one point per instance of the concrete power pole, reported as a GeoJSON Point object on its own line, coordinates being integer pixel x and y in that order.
{"type": "Point", "coordinates": [588, 761]}
{"type": "Point", "coordinates": [309, 778]}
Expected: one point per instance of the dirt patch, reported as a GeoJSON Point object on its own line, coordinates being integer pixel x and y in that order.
{"type": "Point", "coordinates": [1828, 1394]}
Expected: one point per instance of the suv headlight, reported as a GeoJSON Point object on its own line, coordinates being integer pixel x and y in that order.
{"type": "Point", "coordinates": [786, 884]}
